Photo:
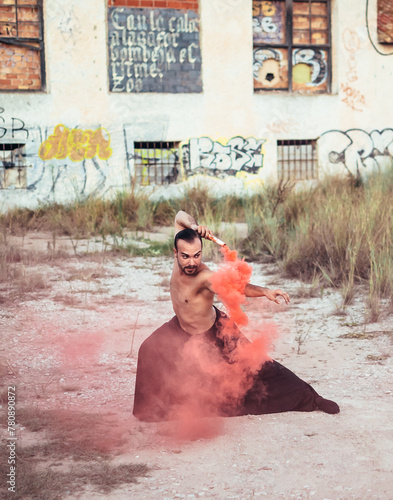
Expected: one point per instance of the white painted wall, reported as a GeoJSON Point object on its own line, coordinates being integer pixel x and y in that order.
{"type": "Point", "coordinates": [77, 96]}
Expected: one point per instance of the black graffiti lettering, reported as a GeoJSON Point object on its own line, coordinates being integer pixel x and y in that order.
{"type": "Point", "coordinates": [356, 150]}
{"type": "Point", "coordinates": [2, 128]}
{"type": "Point", "coordinates": [20, 129]}
{"type": "Point", "coordinates": [238, 154]}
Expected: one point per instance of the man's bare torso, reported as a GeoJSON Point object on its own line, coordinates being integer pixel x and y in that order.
{"type": "Point", "coordinates": [192, 299]}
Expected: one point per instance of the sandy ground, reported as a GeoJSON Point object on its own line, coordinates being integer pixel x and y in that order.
{"type": "Point", "coordinates": [73, 347]}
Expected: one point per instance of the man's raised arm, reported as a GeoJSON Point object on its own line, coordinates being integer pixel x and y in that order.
{"type": "Point", "coordinates": [183, 221]}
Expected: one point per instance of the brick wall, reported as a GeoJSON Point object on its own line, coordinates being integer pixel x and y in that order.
{"type": "Point", "coordinates": [20, 67]}
{"type": "Point", "coordinates": [158, 4]}
{"type": "Point", "coordinates": [385, 21]}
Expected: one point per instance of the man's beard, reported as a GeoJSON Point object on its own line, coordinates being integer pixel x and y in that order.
{"type": "Point", "coordinates": [189, 270]}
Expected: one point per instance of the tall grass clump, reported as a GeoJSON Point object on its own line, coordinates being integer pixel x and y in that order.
{"type": "Point", "coordinates": [341, 230]}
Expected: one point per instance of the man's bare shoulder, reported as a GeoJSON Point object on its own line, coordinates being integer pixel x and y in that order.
{"type": "Point", "coordinates": [204, 276]}
{"type": "Point", "coordinates": [204, 269]}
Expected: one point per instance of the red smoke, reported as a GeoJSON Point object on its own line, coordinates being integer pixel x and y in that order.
{"type": "Point", "coordinates": [229, 283]}
{"type": "Point", "coordinates": [212, 382]}
{"type": "Point", "coordinates": [83, 350]}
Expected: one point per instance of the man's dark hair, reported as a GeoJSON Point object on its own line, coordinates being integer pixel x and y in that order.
{"type": "Point", "coordinates": [188, 235]}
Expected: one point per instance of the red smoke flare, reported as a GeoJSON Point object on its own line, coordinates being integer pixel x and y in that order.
{"type": "Point", "coordinates": [229, 283]}
{"type": "Point", "coordinates": [214, 380]}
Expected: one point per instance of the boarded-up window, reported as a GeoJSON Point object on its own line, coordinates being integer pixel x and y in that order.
{"type": "Point", "coordinates": [292, 45]}
{"type": "Point", "coordinates": [21, 45]}
{"type": "Point", "coordinates": [385, 21]}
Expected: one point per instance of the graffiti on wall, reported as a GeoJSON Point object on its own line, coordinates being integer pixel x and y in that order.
{"type": "Point", "coordinates": [15, 129]}
{"type": "Point", "coordinates": [68, 24]}
{"type": "Point", "coordinates": [222, 158]}
{"type": "Point", "coordinates": [315, 60]}
{"type": "Point", "coordinates": [268, 22]}
{"type": "Point", "coordinates": [26, 178]}
{"type": "Point", "coordinates": [154, 50]}
{"type": "Point", "coordinates": [352, 97]}
{"type": "Point", "coordinates": [76, 144]}
{"type": "Point", "coordinates": [359, 152]}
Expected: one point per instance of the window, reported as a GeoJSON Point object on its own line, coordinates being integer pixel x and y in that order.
{"type": "Point", "coordinates": [292, 45]}
{"type": "Point", "coordinates": [385, 21]}
{"type": "Point", "coordinates": [21, 45]}
{"type": "Point", "coordinates": [12, 166]}
{"type": "Point", "coordinates": [156, 162]}
{"type": "Point", "coordinates": [297, 159]}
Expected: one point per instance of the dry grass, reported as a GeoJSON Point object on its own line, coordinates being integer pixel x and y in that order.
{"type": "Point", "coordinates": [339, 232]}
{"type": "Point", "coordinates": [74, 451]}
{"type": "Point", "coordinates": [46, 482]}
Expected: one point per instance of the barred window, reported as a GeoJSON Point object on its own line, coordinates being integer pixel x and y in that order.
{"type": "Point", "coordinates": [12, 166]}
{"type": "Point", "coordinates": [297, 159]}
{"type": "Point", "coordinates": [21, 45]}
{"type": "Point", "coordinates": [156, 162]}
{"type": "Point", "coordinates": [292, 46]}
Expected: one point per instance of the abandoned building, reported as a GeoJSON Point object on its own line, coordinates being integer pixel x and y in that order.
{"type": "Point", "coordinates": [104, 95]}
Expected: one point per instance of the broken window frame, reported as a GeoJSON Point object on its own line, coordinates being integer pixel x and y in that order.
{"type": "Point", "coordinates": [158, 168]}
{"type": "Point", "coordinates": [290, 46]}
{"type": "Point", "coordinates": [297, 167]}
{"type": "Point", "coordinates": [27, 42]}
{"type": "Point", "coordinates": [17, 161]}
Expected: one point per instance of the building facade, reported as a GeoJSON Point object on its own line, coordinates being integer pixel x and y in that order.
{"type": "Point", "coordinates": [100, 96]}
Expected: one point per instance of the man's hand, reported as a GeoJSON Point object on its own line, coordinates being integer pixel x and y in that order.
{"type": "Point", "coordinates": [274, 294]}
{"type": "Point", "coordinates": [184, 220]}
{"type": "Point", "coordinates": [204, 231]}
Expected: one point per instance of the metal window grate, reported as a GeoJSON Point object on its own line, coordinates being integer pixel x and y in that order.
{"type": "Point", "coordinates": [12, 166]}
{"type": "Point", "coordinates": [297, 159]}
{"type": "Point", "coordinates": [156, 162]}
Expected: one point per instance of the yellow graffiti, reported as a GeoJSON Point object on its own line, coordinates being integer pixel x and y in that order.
{"type": "Point", "coordinates": [76, 144]}
{"type": "Point", "coordinates": [146, 155]}
{"type": "Point", "coordinates": [265, 8]}
{"type": "Point", "coordinates": [268, 8]}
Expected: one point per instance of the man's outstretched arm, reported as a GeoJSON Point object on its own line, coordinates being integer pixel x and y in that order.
{"type": "Point", "coordinates": [258, 291]}
{"type": "Point", "coordinates": [183, 221]}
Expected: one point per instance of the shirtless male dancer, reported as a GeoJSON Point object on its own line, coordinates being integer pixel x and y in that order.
{"type": "Point", "coordinates": [275, 389]}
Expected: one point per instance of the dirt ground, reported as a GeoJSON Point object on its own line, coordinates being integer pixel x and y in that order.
{"type": "Point", "coordinates": [70, 348]}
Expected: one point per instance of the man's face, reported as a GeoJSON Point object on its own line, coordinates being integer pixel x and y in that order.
{"type": "Point", "coordinates": [189, 256]}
